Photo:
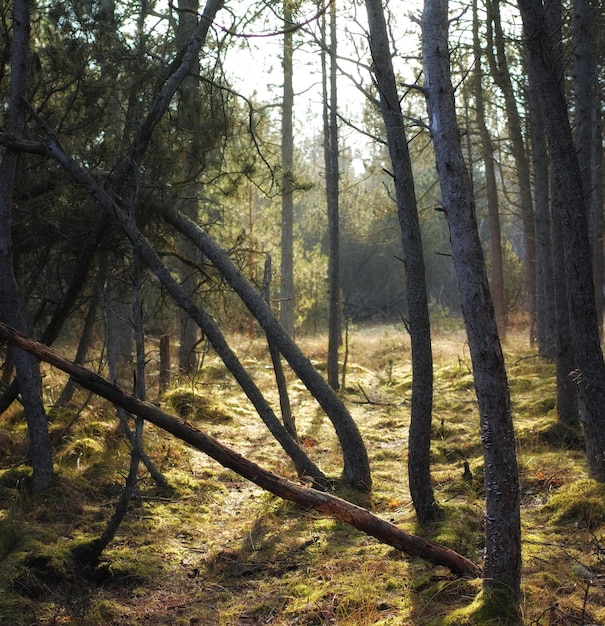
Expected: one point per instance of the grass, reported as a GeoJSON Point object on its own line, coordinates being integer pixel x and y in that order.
{"type": "Point", "coordinates": [216, 550]}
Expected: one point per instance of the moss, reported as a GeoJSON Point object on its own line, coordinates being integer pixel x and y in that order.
{"type": "Point", "coordinates": [489, 608]}
{"type": "Point", "coordinates": [189, 405]}
{"type": "Point", "coordinates": [580, 503]}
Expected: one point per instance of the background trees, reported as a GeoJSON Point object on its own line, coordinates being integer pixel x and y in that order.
{"type": "Point", "coordinates": [130, 140]}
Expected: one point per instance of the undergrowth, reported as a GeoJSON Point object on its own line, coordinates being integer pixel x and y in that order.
{"type": "Point", "coordinates": [213, 549]}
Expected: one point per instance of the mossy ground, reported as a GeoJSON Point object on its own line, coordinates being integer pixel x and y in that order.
{"type": "Point", "coordinates": [216, 550]}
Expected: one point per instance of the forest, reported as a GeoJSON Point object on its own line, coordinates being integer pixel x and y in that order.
{"type": "Point", "coordinates": [301, 313]}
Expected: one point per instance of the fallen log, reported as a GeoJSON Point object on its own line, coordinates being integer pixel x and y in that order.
{"type": "Point", "coordinates": [332, 506]}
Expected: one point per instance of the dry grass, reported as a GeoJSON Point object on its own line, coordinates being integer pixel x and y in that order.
{"type": "Point", "coordinates": [216, 550]}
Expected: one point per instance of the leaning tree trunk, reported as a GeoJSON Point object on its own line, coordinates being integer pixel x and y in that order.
{"type": "Point", "coordinates": [570, 216]}
{"type": "Point", "coordinates": [502, 574]}
{"type": "Point", "coordinates": [339, 509]}
{"type": "Point", "coordinates": [12, 309]}
{"type": "Point", "coordinates": [356, 464]}
{"type": "Point", "coordinates": [419, 470]}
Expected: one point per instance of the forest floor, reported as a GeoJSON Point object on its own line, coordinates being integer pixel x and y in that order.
{"type": "Point", "coordinates": [217, 550]}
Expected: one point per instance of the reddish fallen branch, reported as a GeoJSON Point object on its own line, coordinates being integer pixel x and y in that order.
{"type": "Point", "coordinates": [337, 508]}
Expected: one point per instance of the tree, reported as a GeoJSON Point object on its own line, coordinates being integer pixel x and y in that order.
{"type": "Point", "coordinates": [331, 505]}
{"type": "Point", "coordinates": [286, 311]}
{"type": "Point", "coordinates": [331, 157]}
{"type": "Point", "coordinates": [571, 220]}
{"type": "Point", "coordinates": [189, 122]}
{"type": "Point", "coordinates": [12, 309]}
{"type": "Point", "coordinates": [501, 75]}
{"type": "Point", "coordinates": [419, 324]}
{"type": "Point", "coordinates": [502, 572]}
{"type": "Point", "coordinates": [487, 153]}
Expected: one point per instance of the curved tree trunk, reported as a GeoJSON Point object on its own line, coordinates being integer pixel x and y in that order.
{"type": "Point", "coordinates": [419, 470]}
{"type": "Point", "coordinates": [502, 574]}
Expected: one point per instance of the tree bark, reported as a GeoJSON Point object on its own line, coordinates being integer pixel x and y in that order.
{"type": "Point", "coordinates": [502, 573]}
{"type": "Point", "coordinates": [12, 309]}
{"type": "Point", "coordinates": [419, 470]}
{"type": "Point", "coordinates": [570, 216]}
{"type": "Point", "coordinates": [332, 506]}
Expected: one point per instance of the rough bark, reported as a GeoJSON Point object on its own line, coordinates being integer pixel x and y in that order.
{"type": "Point", "coordinates": [502, 572]}
{"type": "Point", "coordinates": [570, 215]}
{"type": "Point", "coordinates": [332, 506]}
{"type": "Point", "coordinates": [419, 470]}
{"type": "Point", "coordinates": [356, 464]}
{"type": "Point", "coordinates": [12, 309]}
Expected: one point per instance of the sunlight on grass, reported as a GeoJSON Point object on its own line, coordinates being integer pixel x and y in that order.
{"type": "Point", "coordinates": [215, 550]}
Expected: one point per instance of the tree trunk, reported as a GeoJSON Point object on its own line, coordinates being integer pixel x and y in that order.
{"type": "Point", "coordinates": [188, 195]}
{"type": "Point", "coordinates": [356, 463]}
{"type": "Point", "coordinates": [286, 310]}
{"type": "Point", "coordinates": [502, 572]}
{"type": "Point", "coordinates": [280, 377]}
{"type": "Point", "coordinates": [487, 151]}
{"type": "Point", "coordinates": [570, 216]}
{"type": "Point", "coordinates": [501, 75]}
{"type": "Point", "coordinates": [545, 285]}
{"type": "Point", "coordinates": [586, 14]}
{"type": "Point", "coordinates": [12, 309]}
{"type": "Point", "coordinates": [332, 506]}
{"type": "Point", "coordinates": [419, 470]}
{"type": "Point", "coordinates": [332, 197]}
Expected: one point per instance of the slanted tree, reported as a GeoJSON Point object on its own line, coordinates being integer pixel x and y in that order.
{"type": "Point", "coordinates": [419, 323]}
{"type": "Point", "coordinates": [502, 555]}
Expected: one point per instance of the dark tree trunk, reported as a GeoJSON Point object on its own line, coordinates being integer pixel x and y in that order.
{"type": "Point", "coordinates": [332, 506]}
{"type": "Point", "coordinates": [545, 286]}
{"type": "Point", "coordinates": [502, 574]}
{"type": "Point", "coordinates": [585, 23]}
{"type": "Point", "coordinates": [12, 309]}
{"type": "Point", "coordinates": [570, 216]}
{"type": "Point", "coordinates": [332, 196]}
{"type": "Point", "coordinates": [419, 470]}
